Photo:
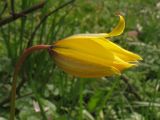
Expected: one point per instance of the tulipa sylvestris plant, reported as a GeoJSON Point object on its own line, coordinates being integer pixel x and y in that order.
{"type": "Point", "coordinates": [84, 55]}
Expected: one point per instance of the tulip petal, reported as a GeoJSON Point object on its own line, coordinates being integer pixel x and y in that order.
{"type": "Point", "coordinates": [92, 55]}
{"type": "Point", "coordinates": [118, 51]}
{"type": "Point", "coordinates": [119, 28]}
{"type": "Point", "coordinates": [93, 46]}
{"type": "Point", "coordinates": [121, 64]}
{"type": "Point", "coordinates": [115, 32]}
{"type": "Point", "coordinates": [83, 65]}
{"type": "Point", "coordinates": [77, 62]}
{"type": "Point", "coordinates": [86, 45]}
{"type": "Point", "coordinates": [85, 42]}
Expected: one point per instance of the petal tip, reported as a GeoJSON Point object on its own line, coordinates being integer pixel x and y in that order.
{"type": "Point", "coordinates": [119, 28]}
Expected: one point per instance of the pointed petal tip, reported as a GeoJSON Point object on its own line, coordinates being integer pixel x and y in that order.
{"type": "Point", "coordinates": [119, 28]}
{"type": "Point", "coordinates": [135, 57]}
{"type": "Point", "coordinates": [140, 58]}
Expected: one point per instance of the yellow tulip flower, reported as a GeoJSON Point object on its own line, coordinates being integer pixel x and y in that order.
{"type": "Point", "coordinates": [93, 55]}
{"type": "Point", "coordinates": [83, 55]}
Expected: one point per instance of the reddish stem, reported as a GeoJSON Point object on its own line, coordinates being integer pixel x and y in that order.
{"type": "Point", "coordinates": [22, 58]}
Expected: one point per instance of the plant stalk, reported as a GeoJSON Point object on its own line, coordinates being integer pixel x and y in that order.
{"type": "Point", "coordinates": [22, 58]}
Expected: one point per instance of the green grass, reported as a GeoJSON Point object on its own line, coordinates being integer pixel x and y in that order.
{"type": "Point", "coordinates": [64, 97]}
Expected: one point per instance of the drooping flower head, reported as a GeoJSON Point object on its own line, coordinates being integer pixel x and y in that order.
{"type": "Point", "coordinates": [93, 55]}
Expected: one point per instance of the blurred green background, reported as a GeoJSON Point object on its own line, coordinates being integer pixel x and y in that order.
{"type": "Point", "coordinates": [45, 92]}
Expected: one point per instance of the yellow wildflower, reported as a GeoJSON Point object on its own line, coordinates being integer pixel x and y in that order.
{"type": "Point", "coordinates": [92, 55]}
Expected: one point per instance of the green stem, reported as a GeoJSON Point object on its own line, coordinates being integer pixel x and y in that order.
{"type": "Point", "coordinates": [16, 71]}
{"type": "Point", "coordinates": [41, 107]}
{"type": "Point", "coordinates": [81, 100]}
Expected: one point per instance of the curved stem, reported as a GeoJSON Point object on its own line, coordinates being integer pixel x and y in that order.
{"type": "Point", "coordinates": [16, 71]}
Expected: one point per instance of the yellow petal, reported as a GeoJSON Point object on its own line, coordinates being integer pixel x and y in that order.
{"type": "Point", "coordinates": [92, 55]}
{"type": "Point", "coordinates": [115, 32]}
{"type": "Point", "coordinates": [118, 51]}
{"type": "Point", "coordinates": [83, 65]}
{"type": "Point", "coordinates": [119, 28]}
{"type": "Point", "coordinates": [122, 65]}
{"type": "Point", "coordinates": [124, 54]}
{"type": "Point", "coordinates": [93, 46]}
{"type": "Point", "coordinates": [85, 44]}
